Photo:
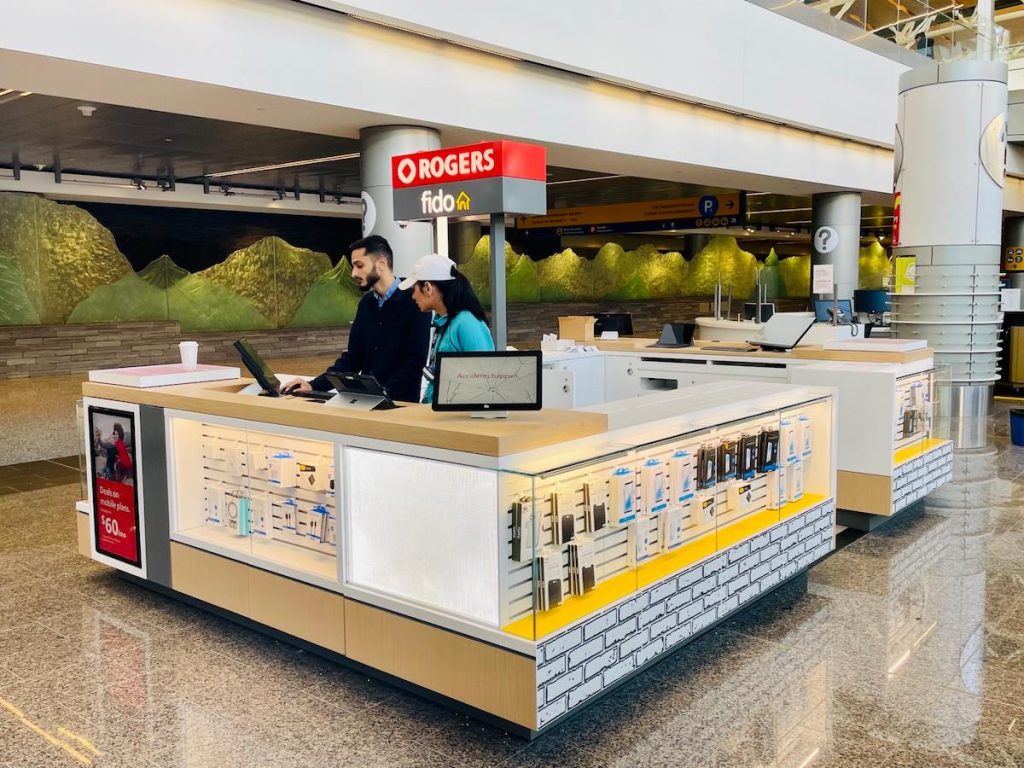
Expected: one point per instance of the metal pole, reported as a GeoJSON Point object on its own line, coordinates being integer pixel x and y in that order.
{"type": "Point", "coordinates": [498, 325]}
{"type": "Point", "coordinates": [757, 290]}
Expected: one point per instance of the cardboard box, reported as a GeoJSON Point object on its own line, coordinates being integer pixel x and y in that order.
{"type": "Point", "coordinates": [576, 327]}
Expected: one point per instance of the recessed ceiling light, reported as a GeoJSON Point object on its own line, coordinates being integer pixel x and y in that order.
{"type": "Point", "coordinates": [168, 140]}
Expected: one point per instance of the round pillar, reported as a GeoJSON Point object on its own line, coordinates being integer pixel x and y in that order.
{"type": "Point", "coordinates": [694, 244]}
{"type": "Point", "coordinates": [462, 239]}
{"type": "Point", "coordinates": [409, 240]}
{"type": "Point", "coordinates": [835, 238]}
{"type": "Point", "coordinates": [950, 170]}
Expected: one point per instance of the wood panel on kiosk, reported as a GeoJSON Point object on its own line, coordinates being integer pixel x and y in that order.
{"type": "Point", "coordinates": [301, 610]}
{"type": "Point", "coordinates": [861, 492]}
{"type": "Point", "coordinates": [492, 679]}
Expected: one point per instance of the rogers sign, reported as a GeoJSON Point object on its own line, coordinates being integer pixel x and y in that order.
{"type": "Point", "coordinates": [475, 161]}
{"type": "Point", "coordinates": [440, 167]}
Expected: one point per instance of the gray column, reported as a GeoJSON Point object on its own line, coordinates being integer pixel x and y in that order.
{"type": "Point", "coordinates": [1013, 240]}
{"type": "Point", "coordinates": [950, 171]}
{"type": "Point", "coordinates": [835, 238]}
{"type": "Point", "coordinates": [695, 244]}
{"type": "Point", "coordinates": [409, 240]}
{"type": "Point", "coordinates": [462, 239]}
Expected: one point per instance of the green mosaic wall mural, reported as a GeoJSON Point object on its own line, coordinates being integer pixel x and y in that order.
{"type": "Point", "coordinates": [874, 266]}
{"type": "Point", "coordinates": [59, 265]}
{"type": "Point", "coordinates": [54, 256]}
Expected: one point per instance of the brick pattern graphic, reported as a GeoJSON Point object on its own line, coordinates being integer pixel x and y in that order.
{"type": "Point", "coordinates": [918, 477]}
{"type": "Point", "coordinates": [582, 661]}
{"type": "Point", "coordinates": [44, 350]}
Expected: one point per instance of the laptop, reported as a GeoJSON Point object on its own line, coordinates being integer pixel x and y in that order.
{"type": "Point", "coordinates": [676, 336]}
{"type": "Point", "coordinates": [361, 391]}
{"type": "Point", "coordinates": [782, 332]}
{"type": "Point", "coordinates": [265, 376]}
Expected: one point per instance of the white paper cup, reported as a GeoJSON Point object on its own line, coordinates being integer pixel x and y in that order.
{"type": "Point", "coordinates": [189, 354]}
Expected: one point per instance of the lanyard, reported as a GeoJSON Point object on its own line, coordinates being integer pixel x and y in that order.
{"type": "Point", "coordinates": [439, 333]}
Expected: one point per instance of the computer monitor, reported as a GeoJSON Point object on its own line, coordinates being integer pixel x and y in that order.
{"type": "Point", "coordinates": [259, 369]}
{"type": "Point", "coordinates": [875, 300]}
{"type": "Point", "coordinates": [823, 310]}
{"type": "Point", "coordinates": [621, 322]}
{"type": "Point", "coordinates": [750, 311]}
{"type": "Point", "coordinates": [488, 381]}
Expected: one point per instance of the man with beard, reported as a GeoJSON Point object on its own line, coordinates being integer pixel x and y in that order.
{"type": "Point", "coordinates": [389, 335]}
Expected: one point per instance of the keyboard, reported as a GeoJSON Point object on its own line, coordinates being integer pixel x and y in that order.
{"type": "Point", "coordinates": [322, 396]}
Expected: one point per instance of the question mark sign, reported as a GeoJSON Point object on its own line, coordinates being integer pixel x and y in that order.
{"type": "Point", "coordinates": [826, 239]}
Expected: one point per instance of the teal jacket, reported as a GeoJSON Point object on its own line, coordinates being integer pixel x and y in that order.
{"type": "Point", "coordinates": [466, 334]}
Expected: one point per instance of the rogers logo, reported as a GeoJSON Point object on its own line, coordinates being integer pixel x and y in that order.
{"type": "Point", "coordinates": [450, 166]}
{"type": "Point", "coordinates": [406, 170]}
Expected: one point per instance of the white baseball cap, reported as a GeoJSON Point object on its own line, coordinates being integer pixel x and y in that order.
{"type": "Point", "coordinates": [431, 267]}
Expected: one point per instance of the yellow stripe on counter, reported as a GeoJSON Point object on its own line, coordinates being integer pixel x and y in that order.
{"type": "Point", "coordinates": [746, 527]}
{"type": "Point", "coordinates": [916, 450]}
{"type": "Point", "coordinates": [576, 607]}
{"type": "Point", "coordinates": [676, 559]}
{"type": "Point", "coordinates": [794, 508]}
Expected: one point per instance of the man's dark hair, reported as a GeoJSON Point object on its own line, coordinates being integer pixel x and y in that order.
{"type": "Point", "coordinates": [376, 246]}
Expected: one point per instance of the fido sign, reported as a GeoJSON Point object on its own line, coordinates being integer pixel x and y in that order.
{"type": "Point", "coordinates": [492, 177]}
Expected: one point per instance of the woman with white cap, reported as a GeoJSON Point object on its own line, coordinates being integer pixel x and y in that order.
{"type": "Point", "coordinates": [460, 324]}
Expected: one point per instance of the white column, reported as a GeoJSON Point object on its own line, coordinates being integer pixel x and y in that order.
{"type": "Point", "coordinates": [950, 171]}
{"type": "Point", "coordinates": [835, 238]}
{"type": "Point", "coordinates": [409, 240]}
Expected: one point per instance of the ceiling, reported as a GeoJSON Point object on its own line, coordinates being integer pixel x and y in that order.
{"type": "Point", "coordinates": [128, 142]}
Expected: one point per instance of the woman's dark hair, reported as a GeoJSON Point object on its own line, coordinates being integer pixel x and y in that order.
{"type": "Point", "coordinates": [119, 430]}
{"type": "Point", "coordinates": [458, 296]}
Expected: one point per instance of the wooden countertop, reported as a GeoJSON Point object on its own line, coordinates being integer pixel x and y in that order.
{"type": "Point", "coordinates": [413, 424]}
{"type": "Point", "coordinates": [734, 349]}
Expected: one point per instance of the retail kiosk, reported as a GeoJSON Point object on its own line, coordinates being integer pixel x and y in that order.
{"type": "Point", "coordinates": [892, 416]}
{"type": "Point", "coordinates": [517, 568]}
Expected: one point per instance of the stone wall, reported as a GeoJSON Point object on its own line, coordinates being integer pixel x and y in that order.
{"type": "Point", "coordinates": [45, 350]}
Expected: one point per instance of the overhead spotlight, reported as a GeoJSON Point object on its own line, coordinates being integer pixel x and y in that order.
{"type": "Point", "coordinates": [225, 189]}
{"type": "Point", "coordinates": [139, 184]}
{"type": "Point", "coordinates": [87, 110]}
{"type": "Point", "coordinates": [279, 193]}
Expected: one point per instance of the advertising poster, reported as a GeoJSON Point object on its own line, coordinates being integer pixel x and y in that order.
{"type": "Point", "coordinates": [906, 274]}
{"type": "Point", "coordinates": [114, 485]}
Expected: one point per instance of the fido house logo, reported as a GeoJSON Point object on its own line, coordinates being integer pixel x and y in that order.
{"type": "Point", "coordinates": [491, 177]}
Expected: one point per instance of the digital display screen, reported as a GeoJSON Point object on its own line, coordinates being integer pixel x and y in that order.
{"type": "Point", "coordinates": [502, 381]}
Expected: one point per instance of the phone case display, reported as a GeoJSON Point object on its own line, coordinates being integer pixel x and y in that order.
{"type": "Point", "coordinates": [266, 494]}
{"type": "Point", "coordinates": [623, 496]}
{"type": "Point", "coordinates": [728, 459]}
{"type": "Point", "coordinates": [653, 492]}
{"type": "Point", "coordinates": [790, 451]}
{"type": "Point", "coordinates": [681, 476]}
{"type": "Point", "coordinates": [913, 410]}
{"type": "Point", "coordinates": [610, 519]}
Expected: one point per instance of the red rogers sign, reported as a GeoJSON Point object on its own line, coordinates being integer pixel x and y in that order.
{"type": "Point", "coordinates": [475, 161]}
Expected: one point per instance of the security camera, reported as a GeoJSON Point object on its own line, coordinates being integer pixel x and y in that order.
{"type": "Point", "coordinates": [86, 110]}
{"type": "Point", "coordinates": [403, 224]}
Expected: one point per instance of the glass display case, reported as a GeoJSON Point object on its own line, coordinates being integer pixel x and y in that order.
{"type": "Point", "coordinates": [508, 550]}
{"type": "Point", "coordinates": [270, 496]}
{"type": "Point", "coordinates": [584, 534]}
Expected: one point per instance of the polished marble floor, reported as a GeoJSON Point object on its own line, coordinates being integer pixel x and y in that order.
{"type": "Point", "coordinates": [905, 648]}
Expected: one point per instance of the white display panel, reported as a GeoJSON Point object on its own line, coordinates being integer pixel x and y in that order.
{"type": "Point", "coordinates": [425, 531]}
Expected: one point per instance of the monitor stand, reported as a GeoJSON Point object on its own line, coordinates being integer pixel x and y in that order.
{"type": "Point", "coordinates": [489, 415]}
{"type": "Point", "coordinates": [355, 402]}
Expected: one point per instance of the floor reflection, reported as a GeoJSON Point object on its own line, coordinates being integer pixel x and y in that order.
{"type": "Point", "coordinates": [905, 648]}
